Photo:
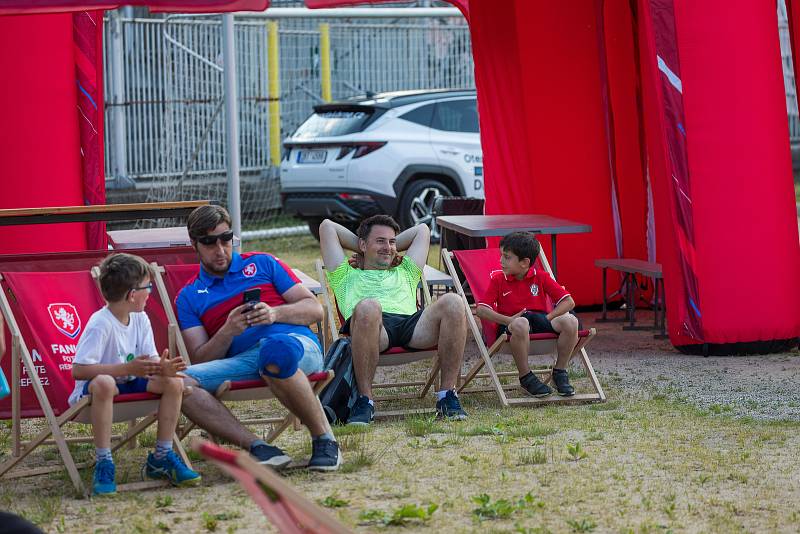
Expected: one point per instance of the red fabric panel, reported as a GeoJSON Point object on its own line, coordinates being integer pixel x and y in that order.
{"type": "Point", "coordinates": [544, 144]}
{"type": "Point", "coordinates": [39, 138]}
{"type": "Point", "coordinates": [177, 276]}
{"type": "Point", "coordinates": [660, 177]}
{"type": "Point", "coordinates": [36, 299]}
{"type": "Point", "coordinates": [27, 7]}
{"type": "Point", "coordinates": [88, 42]}
{"type": "Point", "coordinates": [738, 151]}
{"type": "Point", "coordinates": [623, 81]}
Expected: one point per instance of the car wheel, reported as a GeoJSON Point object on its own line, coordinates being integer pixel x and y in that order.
{"type": "Point", "coordinates": [416, 205]}
{"type": "Point", "coordinates": [313, 227]}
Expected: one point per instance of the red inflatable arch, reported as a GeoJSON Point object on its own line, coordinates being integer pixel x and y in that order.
{"type": "Point", "coordinates": [662, 123]}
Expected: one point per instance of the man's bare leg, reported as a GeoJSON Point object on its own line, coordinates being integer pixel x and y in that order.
{"type": "Point", "coordinates": [296, 395]}
{"type": "Point", "coordinates": [448, 309]}
{"type": "Point", "coordinates": [204, 410]}
{"type": "Point", "coordinates": [368, 338]}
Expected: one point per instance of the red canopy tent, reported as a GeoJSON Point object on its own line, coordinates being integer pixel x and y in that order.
{"type": "Point", "coordinates": [662, 123]}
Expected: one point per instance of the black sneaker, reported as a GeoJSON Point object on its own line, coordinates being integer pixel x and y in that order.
{"type": "Point", "coordinates": [270, 455]}
{"type": "Point", "coordinates": [561, 380]}
{"type": "Point", "coordinates": [362, 412]}
{"type": "Point", "coordinates": [449, 407]}
{"type": "Point", "coordinates": [325, 455]}
{"type": "Point", "coordinates": [533, 386]}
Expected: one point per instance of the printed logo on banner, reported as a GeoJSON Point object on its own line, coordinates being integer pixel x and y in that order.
{"type": "Point", "coordinates": [65, 318]}
{"type": "Point", "coordinates": [249, 270]}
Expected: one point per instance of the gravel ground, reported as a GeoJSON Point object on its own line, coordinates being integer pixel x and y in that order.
{"type": "Point", "coordinates": [762, 387]}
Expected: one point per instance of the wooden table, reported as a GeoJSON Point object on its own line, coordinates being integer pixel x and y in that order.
{"type": "Point", "coordinates": [105, 212]}
{"type": "Point", "coordinates": [500, 225]}
{"type": "Point", "coordinates": [173, 236]}
{"type": "Point", "coordinates": [309, 283]}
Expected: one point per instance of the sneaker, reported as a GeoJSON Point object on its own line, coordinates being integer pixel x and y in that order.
{"type": "Point", "coordinates": [104, 474]}
{"type": "Point", "coordinates": [325, 455]}
{"type": "Point", "coordinates": [533, 386]}
{"type": "Point", "coordinates": [362, 412]}
{"type": "Point", "coordinates": [561, 379]}
{"type": "Point", "coordinates": [172, 468]}
{"type": "Point", "coordinates": [449, 407]}
{"type": "Point", "coordinates": [270, 455]}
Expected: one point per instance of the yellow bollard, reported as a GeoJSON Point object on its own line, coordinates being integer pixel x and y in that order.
{"type": "Point", "coordinates": [273, 68]}
{"type": "Point", "coordinates": [325, 60]}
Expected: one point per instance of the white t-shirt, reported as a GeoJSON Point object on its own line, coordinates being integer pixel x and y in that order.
{"type": "Point", "coordinates": [106, 340]}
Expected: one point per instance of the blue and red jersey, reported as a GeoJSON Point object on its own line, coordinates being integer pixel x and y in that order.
{"type": "Point", "coordinates": [206, 300]}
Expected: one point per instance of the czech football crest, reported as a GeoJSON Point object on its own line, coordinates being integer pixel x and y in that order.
{"type": "Point", "coordinates": [65, 318]}
{"type": "Point", "coordinates": [534, 290]}
{"type": "Point", "coordinates": [249, 270]}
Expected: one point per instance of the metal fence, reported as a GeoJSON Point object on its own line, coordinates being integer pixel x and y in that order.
{"type": "Point", "coordinates": [164, 131]}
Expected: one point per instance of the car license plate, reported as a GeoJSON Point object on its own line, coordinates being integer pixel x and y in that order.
{"type": "Point", "coordinates": [311, 156]}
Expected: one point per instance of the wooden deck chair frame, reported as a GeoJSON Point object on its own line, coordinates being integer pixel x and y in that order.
{"type": "Point", "coordinates": [539, 344]}
{"type": "Point", "coordinates": [247, 390]}
{"type": "Point", "coordinates": [394, 356]}
{"type": "Point", "coordinates": [286, 508]}
{"type": "Point", "coordinates": [79, 412]}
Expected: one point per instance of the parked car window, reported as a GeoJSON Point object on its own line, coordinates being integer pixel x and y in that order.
{"type": "Point", "coordinates": [422, 115]}
{"type": "Point", "coordinates": [332, 123]}
{"type": "Point", "coordinates": [456, 116]}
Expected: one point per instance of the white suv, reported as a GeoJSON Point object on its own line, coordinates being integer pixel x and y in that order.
{"type": "Point", "coordinates": [391, 153]}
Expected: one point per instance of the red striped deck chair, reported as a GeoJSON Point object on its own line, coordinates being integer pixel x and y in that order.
{"type": "Point", "coordinates": [393, 356]}
{"type": "Point", "coordinates": [283, 506]}
{"type": "Point", "coordinates": [169, 280]}
{"type": "Point", "coordinates": [477, 265]}
{"type": "Point", "coordinates": [46, 313]}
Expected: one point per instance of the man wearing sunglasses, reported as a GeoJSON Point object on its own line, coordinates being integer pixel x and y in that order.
{"type": "Point", "coordinates": [228, 339]}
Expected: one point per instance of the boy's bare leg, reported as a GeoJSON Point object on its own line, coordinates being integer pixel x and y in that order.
{"type": "Point", "coordinates": [567, 327]}
{"type": "Point", "coordinates": [169, 407]}
{"type": "Point", "coordinates": [204, 410]}
{"type": "Point", "coordinates": [448, 309]}
{"type": "Point", "coordinates": [102, 388]}
{"type": "Point", "coordinates": [368, 338]}
{"type": "Point", "coordinates": [520, 343]}
{"type": "Point", "coordinates": [296, 395]}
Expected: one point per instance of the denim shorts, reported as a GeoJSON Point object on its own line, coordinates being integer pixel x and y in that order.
{"type": "Point", "coordinates": [244, 366]}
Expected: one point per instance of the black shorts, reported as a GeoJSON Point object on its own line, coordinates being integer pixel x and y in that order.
{"type": "Point", "coordinates": [399, 328]}
{"type": "Point", "coordinates": [539, 323]}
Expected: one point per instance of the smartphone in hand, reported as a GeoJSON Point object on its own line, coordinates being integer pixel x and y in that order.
{"type": "Point", "coordinates": [251, 297]}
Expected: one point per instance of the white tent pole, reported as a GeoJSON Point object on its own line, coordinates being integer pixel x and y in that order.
{"type": "Point", "coordinates": [231, 121]}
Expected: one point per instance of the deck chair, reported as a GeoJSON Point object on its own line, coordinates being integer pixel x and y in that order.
{"type": "Point", "coordinates": [168, 281]}
{"type": "Point", "coordinates": [284, 507]}
{"type": "Point", "coordinates": [477, 265]}
{"type": "Point", "coordinates": [45, 313]}
{"type": "Point", "coordinates": [393, 356]}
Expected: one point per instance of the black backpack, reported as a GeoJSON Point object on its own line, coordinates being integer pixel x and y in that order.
{"type": "Point", "coordinates": [338, 397]}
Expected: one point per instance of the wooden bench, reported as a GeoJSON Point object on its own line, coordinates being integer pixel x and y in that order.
{"type": "Point", "coordinates": [630, 267]}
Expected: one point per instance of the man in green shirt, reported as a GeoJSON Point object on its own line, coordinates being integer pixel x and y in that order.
{"type": "Point", "coordinates": [378, 299]}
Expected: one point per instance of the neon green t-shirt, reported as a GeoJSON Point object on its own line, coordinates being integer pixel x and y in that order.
{"type": "Point", "coordinates": [395, 289]}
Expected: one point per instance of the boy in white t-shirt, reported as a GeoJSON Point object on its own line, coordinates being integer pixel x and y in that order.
{"type": "Point", "coordinates": [115, 355]}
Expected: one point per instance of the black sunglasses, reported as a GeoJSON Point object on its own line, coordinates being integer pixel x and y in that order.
{"type": "Point", "coordinates": [212, 239]}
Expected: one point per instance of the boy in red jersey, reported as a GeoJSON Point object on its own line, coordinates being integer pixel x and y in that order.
{"type": "Point", "coordinates": [517, 301]}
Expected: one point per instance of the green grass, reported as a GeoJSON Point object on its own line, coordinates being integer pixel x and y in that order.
{"type": "Point", "coordinates": [638, 463]}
